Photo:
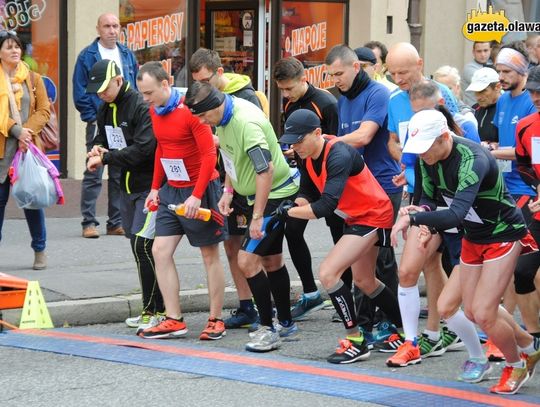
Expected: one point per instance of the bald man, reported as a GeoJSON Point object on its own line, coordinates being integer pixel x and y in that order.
{"type": "Point", "coordinates": [105, 46]}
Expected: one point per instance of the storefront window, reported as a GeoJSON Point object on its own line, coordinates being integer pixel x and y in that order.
{"type": "Point", "coordinates": [156, 31]}
{"type": "Point", "coordinates": [309, 31]}
{"type": "Point", "coordinates": [37, 25]}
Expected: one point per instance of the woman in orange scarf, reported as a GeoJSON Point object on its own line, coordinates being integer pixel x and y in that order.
{"type": "Point", "coordinates": [24, 110]}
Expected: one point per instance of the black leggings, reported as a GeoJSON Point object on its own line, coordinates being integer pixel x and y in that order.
{"type": "Point", "coordinates": [528, 264]}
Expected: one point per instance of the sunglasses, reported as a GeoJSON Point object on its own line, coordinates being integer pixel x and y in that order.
{"type": "Point", "coordinates": [5, 33]}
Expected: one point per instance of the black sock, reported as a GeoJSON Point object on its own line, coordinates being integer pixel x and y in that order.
{"type": "Point", "coordinates": [300, 255]}
{"type": "Point", "coordinates": [260, 288]}
{"type": "Point", "coordinates": [246, 305]}
{"type": "Point", "coordinates": [387, 301]}
{"type": "Point", "coordinates": [280, 285]}
{"type": "Point", "coordinates": [343, 302]}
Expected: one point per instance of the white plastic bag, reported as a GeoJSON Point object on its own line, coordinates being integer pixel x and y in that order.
{"type": "Point", "coordinates": [33, 187]}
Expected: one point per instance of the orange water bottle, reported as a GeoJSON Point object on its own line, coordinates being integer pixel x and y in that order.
{"type": "Point", "coordinates": [202, 214]}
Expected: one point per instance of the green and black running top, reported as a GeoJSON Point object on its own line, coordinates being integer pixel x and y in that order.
{"type": "Point", "coordinates": [470, 183]}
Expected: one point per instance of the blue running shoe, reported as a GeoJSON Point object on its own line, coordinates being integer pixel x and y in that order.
{"type": "Point", "coordinates": [369, 339]}
{"type": "Point", "coordinates": [305, 306]}
{"type": "Point", "coordinates": [287, 333]}
{"type": "Point", "coordinates": [384, 331]}
{"type": "Point", "coordinates": [241, 318]}
{"type": "Point", "coordinates": [474, 370]}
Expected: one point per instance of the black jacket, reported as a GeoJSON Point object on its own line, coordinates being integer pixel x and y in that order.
{"type": "Point", "coordinates": [486, 129]}
{"type": "Point", "coordinates": [130, 113]}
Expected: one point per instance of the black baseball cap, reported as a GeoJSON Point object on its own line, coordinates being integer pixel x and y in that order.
{"type": "Point", "coordinates": [533, 80]}
{"type": "Point", "coordinates": [366, 54]}
{"type": "Point", "coordinates": [298, 124]}
{"type": "Point", "coordinates": [101, 74]}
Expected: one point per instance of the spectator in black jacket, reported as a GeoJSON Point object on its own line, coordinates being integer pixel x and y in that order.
{"type": "Point", "coordinates": [487, 89]}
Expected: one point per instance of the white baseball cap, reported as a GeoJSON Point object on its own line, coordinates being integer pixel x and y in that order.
{"type": "Point", "coordinates": [482, 78]}
{"type": "Point", "coordinates": [424, 127]}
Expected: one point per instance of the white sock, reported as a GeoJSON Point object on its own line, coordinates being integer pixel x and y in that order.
{"type": "Point", "coordinates": [409, 307]}
{"type": "Point", "coordinates": [433, 335]}
{"type": "Point", "coordinates": [520, 364]}
{"type": "Point", "coordinates": [528, 349]}
{"type": "Point", "coordinates": [465, 329]}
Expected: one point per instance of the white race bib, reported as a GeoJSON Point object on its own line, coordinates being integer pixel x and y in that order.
{"type": "Point", "coordinates": [402, 130]}
{"type": "Point", "coordinates": [228, 163]}
{"type": "Point", "coordinates": [175, 169]}
{"type": "Point", "coordinates": [535, 146]}
{"type": "Point", "coordinates": [115, 138]}
{"type": "Point", "coordinates": [472, 216]}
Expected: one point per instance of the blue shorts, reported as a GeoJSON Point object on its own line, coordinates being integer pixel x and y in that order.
{"type": "Point", "coordinates": [452, 243]}
{"type": "Point", "coordinates": [199, 233]}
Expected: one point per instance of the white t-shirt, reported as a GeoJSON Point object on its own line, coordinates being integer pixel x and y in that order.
{"type": "Point", "coordinates": [112, 54]}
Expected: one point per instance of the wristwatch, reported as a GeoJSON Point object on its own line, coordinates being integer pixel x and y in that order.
{"type": "Point", "coordinates": [256, 216]}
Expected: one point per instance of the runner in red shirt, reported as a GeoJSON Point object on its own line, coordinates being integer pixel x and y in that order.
{"type": "Point", "coordinates": [528, 161]}
{"type": "Point", "coordinates": [186, 158]}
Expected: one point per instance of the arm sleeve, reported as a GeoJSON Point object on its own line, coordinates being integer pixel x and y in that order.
{"type": "Point", "coordinates": [101, 138]}
{"type": "Point", "coordinates": [253, 136]}
{"type": "Point", "coordinates": [331, 119]}
{"type": "Point", "coordinates": [144, 142]}
{"type": "Point", "coordinates": [468, 186]}
{"type": "Point", "coordinates": [307, 189]}
{"type": "Point", "coordinates": [339, 166]}
{"type": "Point", "coordinates": [392, 125]}
{"type": "Point", "coordinates": [42, 110]}
{"type": "Point", "coordinates": [159, 172]}
{"type": "Point", "coordinates": [207, 149]}
{"type": "Point", "coordinates": [82, 100]}
{"type": "Point", "coordinates": [377, 106]}
{"type": "Point", "coordinates": [524, 162]}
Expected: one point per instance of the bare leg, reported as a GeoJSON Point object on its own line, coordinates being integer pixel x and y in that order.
{"type": "Point", "coordinates": [510, 297]}
{"type": "Point", "coordinates": [482, 289]}
{"type": "Point", "coordinates": [215, 278]}
{"type": "Point", "coordinates": [435, 280]}
{"type": "Point", "coordinates": [167, 276]}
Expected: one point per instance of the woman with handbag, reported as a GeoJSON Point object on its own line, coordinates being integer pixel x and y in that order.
{"type": "Point", "coordinates": [24, 110]}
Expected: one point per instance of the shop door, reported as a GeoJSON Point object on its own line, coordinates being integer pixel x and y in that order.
{"type": "Point", "coordinates": [232, 30]}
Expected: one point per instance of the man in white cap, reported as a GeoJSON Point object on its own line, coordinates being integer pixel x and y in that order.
{"type": "Point", "coordinates": [487, 90]}
{"type": "Point", "coordinates": [466, 177]}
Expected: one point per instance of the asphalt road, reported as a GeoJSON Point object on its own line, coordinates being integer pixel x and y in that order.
{"type": "Point", "coordinates": [46, 379]}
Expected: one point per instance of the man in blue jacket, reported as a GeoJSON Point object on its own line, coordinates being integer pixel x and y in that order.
{"type": "Point", "coordinates": [105, 46]}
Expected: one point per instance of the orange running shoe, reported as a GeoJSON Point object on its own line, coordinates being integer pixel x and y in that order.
{"type": "Point", "coordinates": [168, 328]}
{"type": "Point", "coordinates": [215, 329]}
{"type": "Point", "coordinates": [531, 360]}
{"type": "Point", "coordinates": [492, 352]}
{"type": "Point", "coordinates": [512, 379]}
{"type": "Point", "coordinates": [407, 354]}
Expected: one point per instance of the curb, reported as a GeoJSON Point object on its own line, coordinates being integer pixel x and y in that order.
{"type": "Point", "coordinates": [108, 310]}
